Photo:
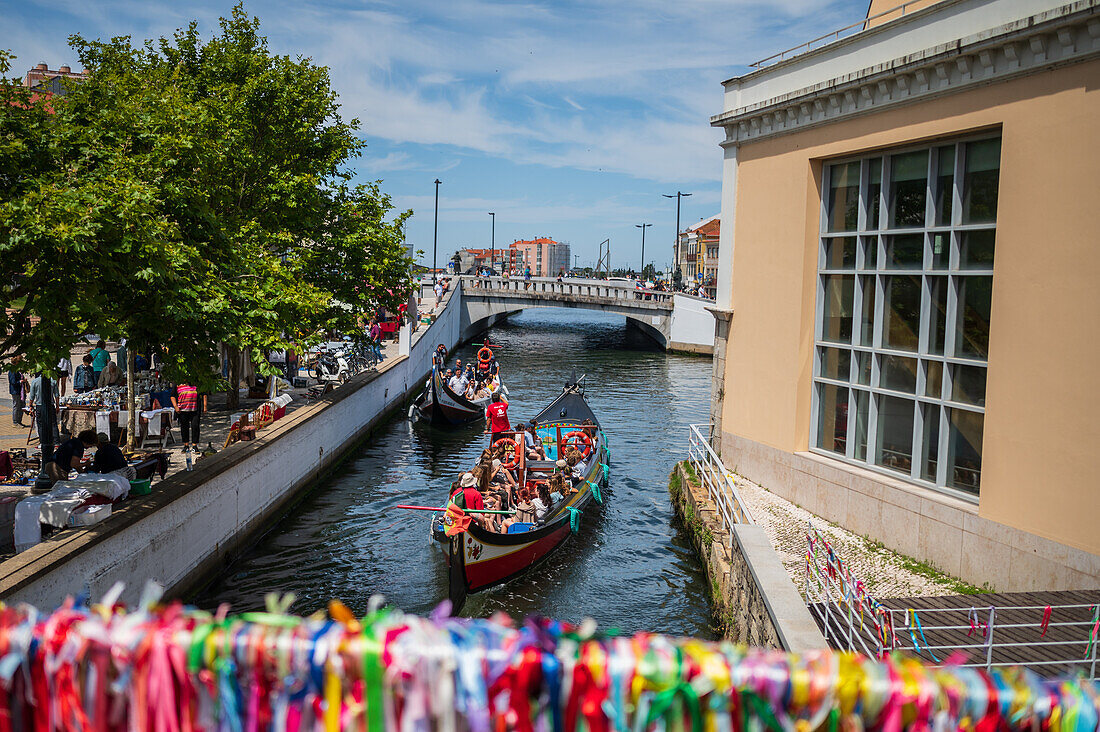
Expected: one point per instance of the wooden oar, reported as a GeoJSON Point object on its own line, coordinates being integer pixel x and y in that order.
{"type": "Point", "coordinates": [465, 510]}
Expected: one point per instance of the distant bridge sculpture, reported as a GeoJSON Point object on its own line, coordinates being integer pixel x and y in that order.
{"type": "Point", "coordinates": [677, 322]}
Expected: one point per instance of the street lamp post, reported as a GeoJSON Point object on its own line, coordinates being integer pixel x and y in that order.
{"type": "Point", "coordinates": [676, 243]}
{"type": "Point", "coordinates": [435, 232]}
{"type": "Point", "coordinates": [493, 242]}
{"type": "Point", "coordinates": [643, 228]}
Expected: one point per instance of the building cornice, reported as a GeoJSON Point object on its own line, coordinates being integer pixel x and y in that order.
{"type": "Point", "coordinates": [1059, 37]}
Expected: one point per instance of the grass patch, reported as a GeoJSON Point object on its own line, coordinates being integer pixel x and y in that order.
{"type": "Point", "coordinates": [927, 570]}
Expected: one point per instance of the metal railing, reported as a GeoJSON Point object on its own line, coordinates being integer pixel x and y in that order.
{"type": "Point", "coordinates": [853, 620]}
{"type": "Point", "coordinates": [711, 473]}
{"type": "Point", "coordinates": [581, 288]}
{"type": "Point", "coordinates": [832, 37]}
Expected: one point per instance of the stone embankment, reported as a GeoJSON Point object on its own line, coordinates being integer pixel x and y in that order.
{"type": "Point", "coordinates": [753, 595]}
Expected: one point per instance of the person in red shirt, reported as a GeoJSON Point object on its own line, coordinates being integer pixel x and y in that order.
{"type": "Point", "coordinates": [466, 495]}
{"type": "Point", "coordinates": [496, 418]}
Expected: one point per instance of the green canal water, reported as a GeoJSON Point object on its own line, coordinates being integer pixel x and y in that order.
{"type": "Point", "coordinates": [629, 566]}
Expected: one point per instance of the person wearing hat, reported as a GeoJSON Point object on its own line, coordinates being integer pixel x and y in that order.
{"type": "Point", "coordinates": [467, 495]}
{"type": "Point", "coordinates": [109, 459]}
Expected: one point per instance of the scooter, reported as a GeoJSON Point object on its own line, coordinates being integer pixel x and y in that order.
{"type": "Point", "coordinates": [331, 367]}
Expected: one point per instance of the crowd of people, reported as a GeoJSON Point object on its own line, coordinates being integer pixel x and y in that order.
{"type": "Point", "coordinates": [30, 396]}
{"type": "Point", "coordinates": [527, 497]}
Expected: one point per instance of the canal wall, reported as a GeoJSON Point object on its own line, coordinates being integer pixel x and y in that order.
{"type": "Point", "coordinates": [753, 595]}
{"type": "Point", "coordinates": [195, 524]}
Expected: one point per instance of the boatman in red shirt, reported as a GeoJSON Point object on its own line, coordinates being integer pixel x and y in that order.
{"type": "Point", "coordinates": [496, 418]}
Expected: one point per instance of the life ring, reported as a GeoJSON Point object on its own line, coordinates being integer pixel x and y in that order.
{"type": "Point", "coordinates": [576, 438]}
{"type": "Point", "coordinates": [505, 442]}
{"type": "Point", "coordinates": [485, 355]}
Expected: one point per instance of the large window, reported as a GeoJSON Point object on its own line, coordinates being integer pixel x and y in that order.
{"type": "Point", "coordinates": [903, 302]}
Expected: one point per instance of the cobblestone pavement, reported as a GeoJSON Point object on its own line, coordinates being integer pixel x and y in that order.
{"type": "Point", "coordinates": [883, 572]}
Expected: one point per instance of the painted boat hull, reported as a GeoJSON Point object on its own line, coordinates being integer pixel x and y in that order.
{"type": "Point", "coordinates": [441, 406]}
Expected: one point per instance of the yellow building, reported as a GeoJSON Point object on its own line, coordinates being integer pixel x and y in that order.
{"type": "Point", "coordinates": [909, 284]}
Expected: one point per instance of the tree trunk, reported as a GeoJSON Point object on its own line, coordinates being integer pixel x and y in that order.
{"type": "Point", "coordinates": [131, 401]}
{"type": "Point", "coordinates": [233, 394]}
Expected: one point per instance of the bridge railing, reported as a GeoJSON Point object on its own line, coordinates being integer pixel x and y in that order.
{"type": "Point", "coordinates": [579, 288]}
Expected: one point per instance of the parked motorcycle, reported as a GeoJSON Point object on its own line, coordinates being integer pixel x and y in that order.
{"type": "Point", "coordinates": [331, 366]}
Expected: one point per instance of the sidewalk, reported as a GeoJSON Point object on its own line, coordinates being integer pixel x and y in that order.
{"type": "Point", "coordinates": [884, 572]}
{"type": "Point", "coordinates": [213, 430]}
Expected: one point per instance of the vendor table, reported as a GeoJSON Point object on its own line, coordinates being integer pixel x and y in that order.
{"type": "Point", "coordinates": [75, 418]}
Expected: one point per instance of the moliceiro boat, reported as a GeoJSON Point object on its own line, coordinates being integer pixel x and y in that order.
{"type": "Point", "coordinates": [439, 404]}
{"type": "Point", "coordinates": [479, 558]}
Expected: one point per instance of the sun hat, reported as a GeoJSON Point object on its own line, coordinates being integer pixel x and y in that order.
{"type": "Point", "coordinates": [560, 463]}
{"type": "Point", "coordinates": [468, 480]}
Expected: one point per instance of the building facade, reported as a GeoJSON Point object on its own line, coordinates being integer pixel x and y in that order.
{"type": "Point", "coordinates": [697, 255]}
{"type": "Point", "coordinates": [545, 257]}
{"type": "Point", "coordinates": [907, 293]}
{"type": "Point", "coordinates": [53, 83]}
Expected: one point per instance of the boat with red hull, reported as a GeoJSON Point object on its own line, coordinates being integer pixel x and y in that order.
{"type": "Point", "coordinates": [479, 559]}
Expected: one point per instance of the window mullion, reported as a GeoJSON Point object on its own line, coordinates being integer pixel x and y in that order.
{"type": "Point", "coordinates": [918, 440]}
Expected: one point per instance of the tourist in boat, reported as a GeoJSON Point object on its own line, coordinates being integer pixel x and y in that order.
{"type": "Point", "coordinates": [440, 356]}
{"type": "Point", "coordinates": [541, 502]}
{"type": "Point", "coordinates": [467, 495]}
{"type": "Point", "coordinates": [525, 510]}
{"type": "Point", "coordinates": [500, 474]}
{"type": "Point", "coordinates": [496, 419]}
{"type": "Point", "coordinates": [490, 521]}
{"type": "Point", "coordinates": [457, 382]}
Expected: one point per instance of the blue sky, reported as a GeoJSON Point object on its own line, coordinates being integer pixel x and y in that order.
{"type": "Point", "coordinates": [568, 119]}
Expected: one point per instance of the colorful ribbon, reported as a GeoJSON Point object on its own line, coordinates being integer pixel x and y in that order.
{"type": "Point", "coordinates": [167, 668]}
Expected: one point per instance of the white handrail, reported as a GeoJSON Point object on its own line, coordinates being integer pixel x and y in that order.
{"type": "Point", "coordinates": [719, 482]}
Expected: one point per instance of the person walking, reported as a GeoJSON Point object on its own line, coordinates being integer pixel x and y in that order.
{"type": "Point", "coordinates": [45, 414]}
{"type": "Point", "coordinates": [527, 277]}
{"type": "Point", "coordinates": [17, 388]}
{"type": "Point", "coordinates": [375, 335]}
{"type": "Point", "coordinates": [64, 371]}
{"type": "Point", "coordinates": [100, 359]}
{"type": "Point", "coordinates": [189, 406]}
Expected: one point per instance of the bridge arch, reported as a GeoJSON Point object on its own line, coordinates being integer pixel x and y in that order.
{"type": "Point", "coordinates": [676, 322]}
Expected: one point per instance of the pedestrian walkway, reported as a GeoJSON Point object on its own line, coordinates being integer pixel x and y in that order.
{"type": "Point", "coordinates": [884, 572]}
{"type": "Point", "coordinates": [214, 427]}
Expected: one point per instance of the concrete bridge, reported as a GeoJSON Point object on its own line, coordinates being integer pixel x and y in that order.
{"type": "Point", "coordinates": [677, 322]}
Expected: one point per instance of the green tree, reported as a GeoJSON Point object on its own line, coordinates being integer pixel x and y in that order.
{"type": "Point", "coordinates": [189, 194]}
{"type": "Point", "coordinates": [296, 249]}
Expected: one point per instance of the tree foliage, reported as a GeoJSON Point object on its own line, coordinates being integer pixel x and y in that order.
{"type": "Point", "coordinates": [189, 193]}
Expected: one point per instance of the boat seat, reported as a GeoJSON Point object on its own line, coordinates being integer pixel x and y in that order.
{"type": "Point", "coordinates": [542, 465]}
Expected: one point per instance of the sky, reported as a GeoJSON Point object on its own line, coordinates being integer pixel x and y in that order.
{"type": "Point", "coordinates": [567, 119]}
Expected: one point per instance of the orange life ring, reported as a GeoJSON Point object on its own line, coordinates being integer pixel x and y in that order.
{"type": "Point", "coordinates": [488, 355]}
{"type": "Point", "coordinates": [504, 442]}
{"type": "Point", "coordinates": [576, 438]}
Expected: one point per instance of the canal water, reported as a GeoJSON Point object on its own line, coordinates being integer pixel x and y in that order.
{"type": "Point", "coordinates": [629, 567]}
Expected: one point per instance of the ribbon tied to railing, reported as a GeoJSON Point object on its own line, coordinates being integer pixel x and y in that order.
{"type": "Point", "coordinates": [170, 668]}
